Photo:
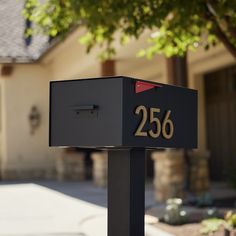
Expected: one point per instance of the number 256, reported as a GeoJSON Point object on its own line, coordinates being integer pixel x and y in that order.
{"type": "Point", "coordinates": [160, 127]}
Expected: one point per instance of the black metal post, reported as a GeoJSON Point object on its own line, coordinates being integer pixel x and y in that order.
{"type": "Point", "coordinates": [126, 179]}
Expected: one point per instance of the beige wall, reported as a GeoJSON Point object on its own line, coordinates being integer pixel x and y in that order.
{"type": "Point", "coordinates": [69, 60]}
{"type": "Point", "coordinates": [153, 70]}
{"type": "Point", "coordinates": [27, 86]}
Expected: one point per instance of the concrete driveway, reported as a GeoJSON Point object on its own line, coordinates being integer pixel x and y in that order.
{"type": "Point", "coordinates": [56, 209]}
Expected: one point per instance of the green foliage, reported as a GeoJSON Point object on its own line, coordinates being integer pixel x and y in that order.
{"type": "Point", "coordinates": [210, 226]}
{"type": "Point", "coordinates": [230, 219]}
{"type": "Point", "coordinates": [174, 214]}
{"type": "Point", "coordinates": [177, 25]}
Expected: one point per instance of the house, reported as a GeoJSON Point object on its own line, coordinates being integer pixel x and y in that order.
{"type": "Point", "coordinates": [27, 66]}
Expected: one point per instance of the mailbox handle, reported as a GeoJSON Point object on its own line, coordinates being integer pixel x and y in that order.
{"type": "Point", "coordinates": [85, 108]}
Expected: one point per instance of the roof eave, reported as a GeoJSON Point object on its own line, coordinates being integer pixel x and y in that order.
{"type": "Point", "coordinates": [16, 60]}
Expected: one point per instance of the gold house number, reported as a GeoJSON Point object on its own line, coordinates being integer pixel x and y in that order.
{"type": "Point", "coordinates": [161, 128]}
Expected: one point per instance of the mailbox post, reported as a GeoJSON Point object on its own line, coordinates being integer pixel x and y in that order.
{"type": "Point", "coordinates": [126, 177]}
{"type": "Point", "coordinates": [125, 116]}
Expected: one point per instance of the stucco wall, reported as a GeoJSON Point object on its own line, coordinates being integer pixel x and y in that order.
{"type": "Point", "coordinates": [153, 70]}
{"type": "Point", "coordinates": [25, 154]}
{"type": "Point", "coordinates": [69, 60]}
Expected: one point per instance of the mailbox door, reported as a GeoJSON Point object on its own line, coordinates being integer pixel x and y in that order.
{"type": "Point", "coordinates": [160, 116]}
{"type": "Point", "coordinates": [86, 113]}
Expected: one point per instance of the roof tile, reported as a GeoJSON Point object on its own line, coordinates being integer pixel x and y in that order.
{"type": "Point", "coordinates": [12, 26]}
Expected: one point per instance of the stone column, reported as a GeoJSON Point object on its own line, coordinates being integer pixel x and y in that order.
{"type": "Point", "coordinates": [100, 168]}
{"type": "Point", "coordinates": [70, 165]}
{"type": "Point", "coordinates": [169, 174]}
{"type": "Point", "coordinates": [199, 174]}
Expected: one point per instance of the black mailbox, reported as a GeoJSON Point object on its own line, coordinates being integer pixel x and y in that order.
{"type": "Point", "coordinates": [126, 116]}
{"type": "Point", "coordinates": [122, 112]}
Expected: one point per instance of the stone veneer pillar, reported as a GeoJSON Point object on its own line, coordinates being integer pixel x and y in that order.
{"type": "Point", "coordinates": [199, 174]}
{"type": "Point", "coordinates": [169, 174]}
{"type": "Point", "coordinates": [100, 168]}
{"type": "Point", "coordinates": [71, 165]}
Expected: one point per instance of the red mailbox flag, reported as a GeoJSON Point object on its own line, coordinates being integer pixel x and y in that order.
{"type": "Point", "coordinates": [141, 86]}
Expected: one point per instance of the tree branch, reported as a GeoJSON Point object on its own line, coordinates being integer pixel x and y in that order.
{"type": "Point", "coordinates": [211, 6]}
{"type": "Point", "coordinates": [222, 36]}
{"type": "Point", "coordinates": [231, 29]}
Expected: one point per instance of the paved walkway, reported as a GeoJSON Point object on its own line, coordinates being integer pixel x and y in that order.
{"type": "Point", "coordinates": [51, 208]}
